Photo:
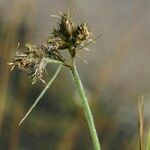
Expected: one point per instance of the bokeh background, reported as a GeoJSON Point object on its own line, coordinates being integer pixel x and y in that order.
{"type": "Point", "coordinates": [118, 70]}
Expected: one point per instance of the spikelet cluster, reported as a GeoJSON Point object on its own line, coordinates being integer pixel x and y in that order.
{"type": "Point", "coordinates": [66, 36]}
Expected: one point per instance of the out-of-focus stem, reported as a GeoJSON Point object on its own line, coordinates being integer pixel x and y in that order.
{"type": "Point", "coordinates": [141, 121]}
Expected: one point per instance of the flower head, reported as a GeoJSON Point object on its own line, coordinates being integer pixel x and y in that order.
{"type": "Point", "coordinates": [69, 36]}
{"type": "Point", "coordinates": [66, 36]}
{"type": "Point", "coordinates": [34, 59]}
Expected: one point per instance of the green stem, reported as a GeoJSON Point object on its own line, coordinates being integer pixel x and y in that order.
{"type": "Point", "coordinates": [41, 94]}
{"type": "Point", "coordinates": [86, 107]}
{"type": "Point", "coordinates": [148, 141]}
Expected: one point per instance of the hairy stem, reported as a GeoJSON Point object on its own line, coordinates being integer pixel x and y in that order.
{"type": "Point", "coordinates": [86, 107]}
{"type": "Point", "coordinates": [41, 94]}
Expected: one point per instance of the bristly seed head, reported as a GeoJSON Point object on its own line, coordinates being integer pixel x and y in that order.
{"type": "Point", "coordinates": [34, 59]}
{"type": "Point", "coordinates": [66, 36]}
{"type": "Point", "coordinates": [69, 36]}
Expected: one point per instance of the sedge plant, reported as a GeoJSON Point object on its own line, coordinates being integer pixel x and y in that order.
{"type": "Point", "coordinates": [65, 37]}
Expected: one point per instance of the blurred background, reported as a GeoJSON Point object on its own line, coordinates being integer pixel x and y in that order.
{"type": "Point", "coordinates": [118, 70]}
